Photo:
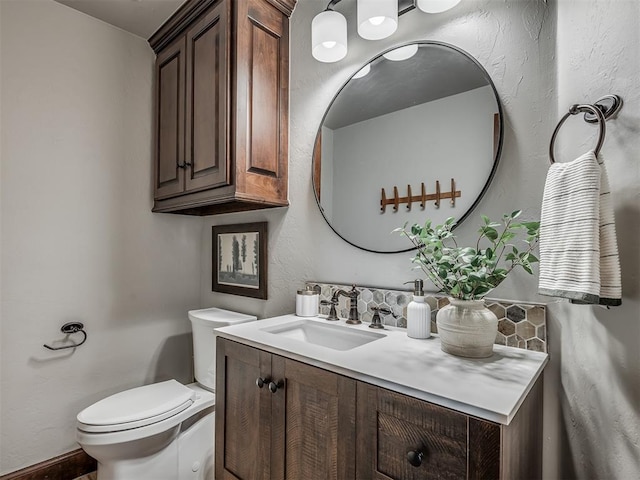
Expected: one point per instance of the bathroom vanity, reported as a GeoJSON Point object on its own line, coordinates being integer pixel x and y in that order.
{"type": "Point", "coordinates": [307, 398]}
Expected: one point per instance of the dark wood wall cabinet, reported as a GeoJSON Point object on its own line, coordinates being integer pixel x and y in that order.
{"type": "Point", "coordinates": [222, 107]}
{"type": "Point", "coordinates": [282, 419]}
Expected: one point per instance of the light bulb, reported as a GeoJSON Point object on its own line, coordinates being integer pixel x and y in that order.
{"type": "Point", "coordinates": [329, 36]}
{"type": "Point", "coordinates": [436, 6]}
{"type": "Point", "coordinates": [377, 19]}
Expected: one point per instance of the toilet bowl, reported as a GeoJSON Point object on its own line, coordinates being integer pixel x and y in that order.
{"type": "Point", "coordinates": [164, 430]}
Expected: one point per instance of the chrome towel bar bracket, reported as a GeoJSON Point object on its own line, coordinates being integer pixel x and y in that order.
{"type": "Point", "coordinates": [68, 329]}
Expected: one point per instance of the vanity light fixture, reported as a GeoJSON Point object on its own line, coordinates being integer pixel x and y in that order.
{"type": "Point", "coordinates": [329, 36]}
{"type": "Point", "coordinates": [436, 6]}
{"type": "Point", "coordinates": [376, 19]}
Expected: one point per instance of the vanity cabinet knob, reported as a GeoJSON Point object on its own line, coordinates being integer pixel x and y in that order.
{"type": "Point", "coordinates": [415, 458]}
{"type": "Point", "coordinates": [273, 386]}
{"type": "Point", "coordinates": [261, 382]}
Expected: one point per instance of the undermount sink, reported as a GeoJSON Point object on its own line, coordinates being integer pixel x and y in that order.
{"type": "Point", "coordinates": [331, 336]}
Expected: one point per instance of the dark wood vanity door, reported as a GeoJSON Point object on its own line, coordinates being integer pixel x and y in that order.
{"type": "Point", "coordinates": [169, 147]}
{"type": "Point", "coordinates": [390, 426]}
{"type": "Point", "coordinates": [207, 98]}
{"type": "Point", "coordinates": [314, 417]}
{"type": "Point", "coordinates": [243, 412]}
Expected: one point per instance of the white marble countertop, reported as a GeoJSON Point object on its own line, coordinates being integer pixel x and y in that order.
{"type": "Point", "coordinates": [491, 388]}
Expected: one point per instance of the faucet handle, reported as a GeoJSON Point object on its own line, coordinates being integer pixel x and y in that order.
{"type": "Point", "coordinates": [376, 321]}
{"type": "Point", "coordinates": [333, 316]}
{"type": "Point", "coordinates": [385, 311]}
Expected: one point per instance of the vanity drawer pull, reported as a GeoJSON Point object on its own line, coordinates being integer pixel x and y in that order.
{"type": "Point", "coordinates": [261, 382]}
{"type": "Point", "coordinates": [415, 457]}
{"type": "Point", "coordinates": [273, 386]}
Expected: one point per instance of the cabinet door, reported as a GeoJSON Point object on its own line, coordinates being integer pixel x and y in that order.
{"type": "Point", "coordinates": [243, 412]}
{"type": "Point", "coordinates": [262, 102]}
{"type": "Point", "coordinates": [401, 438]}
{"type": "Point", "coordinates": [169, 148]}
{"type": "Point", "coordinates": [313, 433]}
{"type": "Point", "coordinates": [207, 97]}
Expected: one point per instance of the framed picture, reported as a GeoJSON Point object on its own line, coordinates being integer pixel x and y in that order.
{"type": "Point", "coordinates": [240, 259]}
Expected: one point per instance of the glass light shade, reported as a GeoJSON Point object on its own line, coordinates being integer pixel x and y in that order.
{"type": "Point", "coordinates": [402, 53]}
{"type": "Point", "coordinates": [437, 6]}
{"type": "Point", "coordinates": [377, 18]}
{"type": "Point", "coordinates": [329, 36]}
{"type": "Point", "coordinates": [363, 71]}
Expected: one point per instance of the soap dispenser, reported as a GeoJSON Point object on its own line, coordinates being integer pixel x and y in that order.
{"type": "Point", "coordinates": [418, 313]}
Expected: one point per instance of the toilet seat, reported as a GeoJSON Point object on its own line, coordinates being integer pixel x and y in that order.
{"type": "Point", "coordinates": [137, 407]}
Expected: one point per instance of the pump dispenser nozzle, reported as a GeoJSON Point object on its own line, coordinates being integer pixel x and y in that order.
{"type": "Point", "coordinates": [417, 287]}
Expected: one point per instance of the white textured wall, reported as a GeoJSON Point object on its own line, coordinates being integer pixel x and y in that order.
{"type": "Point", "coordinates": [79, 241]}
{"type": "Point", "coordinates": [596, 351]}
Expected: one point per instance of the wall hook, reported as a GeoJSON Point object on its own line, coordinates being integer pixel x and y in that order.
{"type": "Point", "coordinates": [422, 198]}
{"type": "Point", "coordinates": [67, 329]}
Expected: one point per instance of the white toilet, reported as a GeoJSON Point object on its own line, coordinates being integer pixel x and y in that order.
{"type": "Point", "coordinates": [164, 430]}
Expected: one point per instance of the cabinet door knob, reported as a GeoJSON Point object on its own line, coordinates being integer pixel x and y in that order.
{"type": "Point", "coordinates": [273, 386]}
{"type": "Point", "coordinates": [182, 165]}
{"type": "Point", "coordinates": [261, 382]}
{"type": "Point", "coordinates": [415, 458]}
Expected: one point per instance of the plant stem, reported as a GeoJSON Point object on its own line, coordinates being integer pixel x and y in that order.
{"type": "Point", "coordinates": [431, 273]}
{"type": "Point", "coordinates": [504, 245]}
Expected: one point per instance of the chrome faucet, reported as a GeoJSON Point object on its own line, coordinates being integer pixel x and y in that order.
{"type": "Point", "coordinates": [353, 304]}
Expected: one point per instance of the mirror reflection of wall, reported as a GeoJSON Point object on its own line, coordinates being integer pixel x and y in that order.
{"type": "Point", "coordinates": [432, 117]}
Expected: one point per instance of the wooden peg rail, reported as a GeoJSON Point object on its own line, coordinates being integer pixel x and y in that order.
{"type": "Point", "coordinates": [423, 197]}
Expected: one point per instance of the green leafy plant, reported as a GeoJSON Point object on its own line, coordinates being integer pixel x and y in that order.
{"type": "Point", "coordinates": [470, 273]}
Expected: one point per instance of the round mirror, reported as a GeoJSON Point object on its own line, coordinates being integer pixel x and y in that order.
{"type": "Point", "coordinates": [414, 135]}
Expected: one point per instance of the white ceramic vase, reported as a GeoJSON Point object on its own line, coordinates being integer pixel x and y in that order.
{"type": "Point", "coordinates": [467, 328]}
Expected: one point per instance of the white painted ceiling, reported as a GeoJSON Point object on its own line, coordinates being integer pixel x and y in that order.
{"type": "Point", "coordinates": [140, 17]}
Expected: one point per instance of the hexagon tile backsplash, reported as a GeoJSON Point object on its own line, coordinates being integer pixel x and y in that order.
{"type": "Point", "coordinates": [521, 325]}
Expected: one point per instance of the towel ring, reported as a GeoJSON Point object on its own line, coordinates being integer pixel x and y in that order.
{"type": "Point", "coordinates": [574, 110]}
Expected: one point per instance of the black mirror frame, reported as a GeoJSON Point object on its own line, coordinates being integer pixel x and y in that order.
{"type": "Point", "coordinates": [498, 150]}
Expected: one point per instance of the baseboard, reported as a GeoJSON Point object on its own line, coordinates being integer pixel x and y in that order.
{"type": "Point", "coordinates": [64, 467]}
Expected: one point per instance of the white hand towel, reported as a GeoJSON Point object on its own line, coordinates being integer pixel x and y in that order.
{"type": "Point", "coordinates": [610, 275]}
{"type": "Point", "coordinates": [578, 247]}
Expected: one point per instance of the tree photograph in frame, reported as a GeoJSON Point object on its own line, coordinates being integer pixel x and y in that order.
{"type": "Point", "coordinates": [240, 259]}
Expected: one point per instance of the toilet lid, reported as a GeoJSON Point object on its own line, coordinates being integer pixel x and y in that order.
{"type": "Point", "coordinates": [136, 407]}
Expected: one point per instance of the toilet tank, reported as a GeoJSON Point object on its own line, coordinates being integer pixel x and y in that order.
{"type": "Point", "coordinates": [203, 324]}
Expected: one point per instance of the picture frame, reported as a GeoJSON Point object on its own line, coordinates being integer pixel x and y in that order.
{"type": "Point", "coordinates": [239, 259]}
